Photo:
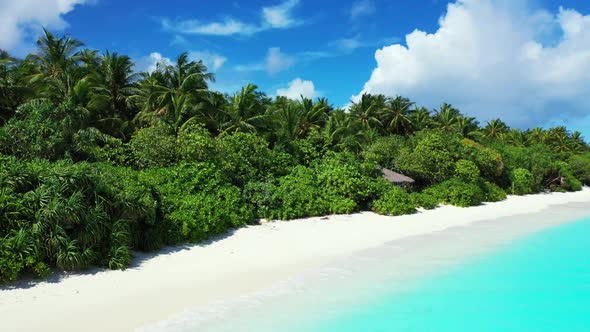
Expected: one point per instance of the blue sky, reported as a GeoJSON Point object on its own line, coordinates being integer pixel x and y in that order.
{"type": "Point", "coordinates": [328, 48]}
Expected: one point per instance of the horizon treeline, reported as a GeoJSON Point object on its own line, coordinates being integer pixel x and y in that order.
{"type": "Point", "coordinates": [97, 160]}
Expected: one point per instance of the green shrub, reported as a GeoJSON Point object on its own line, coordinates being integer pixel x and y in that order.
{"type": "Point", "coordinates": [310, 148]}
{"type": "Point", "coordinates": [432, 160]}
{"type": "Point", "coordinates": [337, 183]}
{"type": "Point", "coordinates": [11, 266]}
{"type": "Point", "coordinates": [467, 170]}
{"type": "Point", "coordinates": [386, 151]}
{"type": "Point", "coordinates": [92, 145]}
{"type": "Point", "coordinates": [492, 192]}
{"type": "Point", "coordinates": [197, 201]}
{"type": "Point", "coordinates": [457, 192]}
{"type": "Point", "coordinates": [246, 157]}
{"type": "Point", "coordinates": [299, 195]}
{"type": "Point", "coordinates": [522, 182]}
{"type": "Point", "coordinates": [194, 143]}
{"type": "Point", "coordinates": [488, 160]}
{"type": "Point", "coordinates": [263, 196]}
{"type": "Point", "coordinates": [154, 147]}
{"type": "Point", "coordinates": [580, 166]}
{"type": "Point", "coordinates": [202, 215]}
{"type": "Point", "coordinates": [569, 182]}
{"type": "Point", "coordinates": [424, 200]}
{"type": "Point", "coordinates": [40, 129]}
{"type": "Point", "coordinates": [72, 216]}
{"type": "Point", "coordinates": [538, 160]}
{"type": "Point", "coordinates": [394, 202]}
{"type": "Point", "coordinates": [341, 175]}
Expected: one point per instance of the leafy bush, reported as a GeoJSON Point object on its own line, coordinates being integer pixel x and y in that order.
{"type": "Point", "coordinates": [488, 160]}
{"type": "Point", "coordinates": [40, 129]}
{"type": "Point", "coordinates": [580, 166]}
{"type": "Point", "coordinates": [492, 192]}
{"type": "Point", "coordinates": [386, 151]}
{"type": "Point", "coordinates": [341, 175]}
{"type": "Point", "coordinates": [246, 157]}
{"type": "Point", "coordinates": [457, 192]}
{"type": "Point", "coordinates": [432, 160]}
{"type": "Point", "coordinates": [197, 201]}
{"type": "Point", "coordinates": [299, 195]}
{"type": "Point", "coordinates": [194, 143]}
{"type": "Point", "coordinates": [394, 202]}
{"type": "Point", "coordinates": [263, 196]}
{"type": "Point", "coordinates": [467, 170]}
{"type": "Point", "coordinates": [568, 181]}
{"type": "Point", "coordinates": [310, 148]}
{"type": "Point", "coordinates": [424, 200]}
{"type": "Point", "coordinates": [522, 182]}
{"type": "Point", "coordinates": [154, 147]}
{"type": "Point", "coordinates": [338, 183]}
{"type": "Point", "coordinates": [92, 145]}
{"type": "Point", "coordinates": [537, 159]}
{"type": "Point", "coordinates": [71, 216]}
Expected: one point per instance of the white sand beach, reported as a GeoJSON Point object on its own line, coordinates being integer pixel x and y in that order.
{"type": "Point", "coordinates": [161, 285]}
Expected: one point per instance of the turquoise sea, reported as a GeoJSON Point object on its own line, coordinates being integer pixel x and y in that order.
{"type": "Point", "coordinates": [539, 282]}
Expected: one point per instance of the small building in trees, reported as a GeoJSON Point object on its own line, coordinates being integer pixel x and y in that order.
{"type": "Point", "coordinates": [397, 179]}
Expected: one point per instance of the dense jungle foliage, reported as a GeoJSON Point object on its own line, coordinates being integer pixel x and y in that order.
{"type": "Point", "coordinates": [97, 161]}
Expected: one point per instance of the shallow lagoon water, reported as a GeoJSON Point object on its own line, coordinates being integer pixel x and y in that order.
{"type": "Point", "coordinates": [539, 283]}
{"type": "Point", "coordinates": [506, 282]}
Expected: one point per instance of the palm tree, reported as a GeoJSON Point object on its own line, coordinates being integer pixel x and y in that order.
{"type": "Point", "coordinates": [368, 109]}
{"type": "Point", "coordinates": [561, 143]}
{"type": "Point", "coordinates": [467, 127]}
{"type": "Point", "coordinates": [13, 90]}
{"type": "Point", "coordinates": [112, 84]}
{"type": "Point", "coordinates": [211, 111]}
{"type": "Point", "coordinates": [57, 65]}
{"type": "Point", "coordinates": [295, 119]}
{"type": "Point", "coordinates": [114, 79]}
{"type": "Point", "coordinates": [446, 117]}
{"type": "Point", "coordinates": [396, 116]}
{"type": "Point", "coordinates": [578, 141]}
{"type": "Point", "coordinates": [494, 128]}
{"type": "Point", "coordinates": [345, 133]}
{"type": "Point", "coordinates": [173, 92]}
{"type": "Point", "coordinates": [313, 115]}
{"type": "Point", "coordinates": [536, 136]}
{"type": "Point", "coordinates": [420, 118]}
{"type": "Point", "coordinates": [245, 111]}
{"type": "Point", "coordinates": [513, 137]}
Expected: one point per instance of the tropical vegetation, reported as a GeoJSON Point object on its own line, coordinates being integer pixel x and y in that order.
{"type": "Point", "coordinates": [98, 161]}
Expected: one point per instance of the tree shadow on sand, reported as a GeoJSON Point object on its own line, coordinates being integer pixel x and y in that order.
{"type": "Point", "coordinates": [139, 259]}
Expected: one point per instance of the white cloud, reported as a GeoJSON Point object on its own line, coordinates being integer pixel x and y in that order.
{"type": "Point", "coordinates": [280, 16]}
{"type": "Point", "coordinates": [275, 62]}
{"type": "Point", "coordinates": [22, 20]}
{"type": "Point", "coordinates": [362, 8]}
{"type": "Point", "coordinates": [211, 60]}
{"type": "Point", "coordinates": [298, 88]}
{"type": "Point", "coordinates": [488, 58]}
{"type": "Point", "coordinates": [227, 27]}
{"type": "Point", "coordinates": [149, 63]}
{"type": "Point", "coordinates": [347, 45]}
{"type": "Point", "coordinates": [273, 17]}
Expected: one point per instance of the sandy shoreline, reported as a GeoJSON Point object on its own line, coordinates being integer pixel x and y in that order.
{"type": "Point", "coordinates": [250, 259]}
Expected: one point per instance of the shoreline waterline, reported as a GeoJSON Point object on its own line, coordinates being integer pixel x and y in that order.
{"type": "Point", "coordinates": [341, 287]}
{"type": "Point", "coordinates": [253, 258]}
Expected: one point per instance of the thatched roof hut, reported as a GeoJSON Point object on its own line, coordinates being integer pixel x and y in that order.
{"type": "Point", "coordinates": [396, 178]}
